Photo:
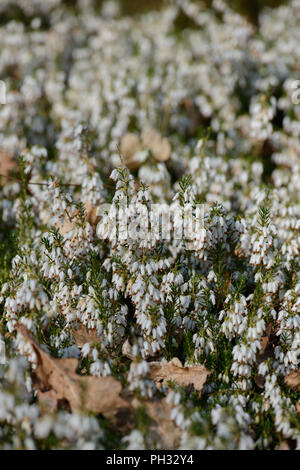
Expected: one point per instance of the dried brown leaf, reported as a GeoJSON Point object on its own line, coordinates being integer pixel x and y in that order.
{"type": "Point", "coordinates": [97, 394]}
{"type": "Point", "coordinates": [266, 351]}
{"type": "Point", "coordinates": [130, 145]}
{"type": "Point", "coordinates": [91, 217]}
{"type": "Point", "coordinates": [127, 350]}
{"type": "Point", "coordinates": [91, 214]}
{"type": "Point", "coordinates": [162, 429]}
{"type": "Point", "coordinates": [7, 164]}
{"type": "Point", "coordinates": [65, 227]}
{"type": "Point", "coordinates": [192, 113]}
{"type": "Point", "coordinates": [159, 146]}
{"type": "Point", "coordinates": [196, 375]}
{"type": "Point", "coordinates": [293, 380]}
{"type": "Point", "coordinates": [82, 336]}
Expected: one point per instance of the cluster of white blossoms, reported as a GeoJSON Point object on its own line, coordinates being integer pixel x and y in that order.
{"type": "Point", "coordinates": [108, 116]}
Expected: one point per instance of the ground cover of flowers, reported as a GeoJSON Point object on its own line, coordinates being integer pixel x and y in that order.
{"type": "Point", "coordinates": [142, 341]}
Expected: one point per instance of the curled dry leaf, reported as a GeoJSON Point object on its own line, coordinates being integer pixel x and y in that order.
{"type": "Point", "coordinates": [130, 145]}
{"type": "Point", "coordinates": [134, 150]}
{"type": "Point", "coordinates": [57, 380]}
{"type": "Point", "coordinates": [91, 217]}
{"type": "Point", "coordinates": [91, 213]}
{"type": "Point", "coordinates": [266, 351]}
{"type": "Point", "coordinates": [48, 400]}
{"type": "Point", "coordinates": [7, 164]}
{"type": "Point", "coordinates": [196, 375]}
{"type": "Point", "coordinates": [82, 336]}
{"type": "Point", "coordinates": [192, 113]}
{"type": "Point", "coordinates": [158, 145]}
{"type": "Point", "coordinates": [127, 350]}
{"type": "Point", "coordinates": [162, 429]}
{"type": "Point", "coordinates": [293, 380]}
{"type": "Point", "coordinates": [65, 227]}
{"type": "Point", "coordinates": [283, 446]}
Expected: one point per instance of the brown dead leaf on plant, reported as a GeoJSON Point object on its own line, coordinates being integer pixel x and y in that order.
{"type": "Point", "coordinates": [196, 375]}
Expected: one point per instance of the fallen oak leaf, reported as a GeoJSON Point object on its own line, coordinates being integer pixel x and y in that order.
{"type": "Point", "coordinates": [130, 146]}
{"type": "Point", "coordinates": [127, 350]}
{"type": "Point", "coordinates": [97, 394]}
{"type": "Point", "coordinates": [196, 375]}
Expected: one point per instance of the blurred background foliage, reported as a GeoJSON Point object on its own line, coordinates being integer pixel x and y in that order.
{"type": "Point", "coordinates": [249, 8]}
